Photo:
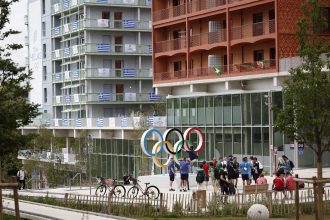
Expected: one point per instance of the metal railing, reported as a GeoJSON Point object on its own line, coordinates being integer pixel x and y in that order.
{"type": "Point", "coordinates": [168, 45]}
{"type": "Point", "coordinates": [73, 178]}
{"type": "Point", "coordinates": [253, 30]}
{"type": "Point", "coordinates": [208, 38]}
{"type": "Point", "coordinates": [128, 24]}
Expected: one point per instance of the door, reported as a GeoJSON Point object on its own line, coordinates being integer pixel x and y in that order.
{"type": "Point", "coordinates": [176, 40]}
{"type": "Point", "coordinates": [258, 27]}
{"type": "Point", "coordinates": [107, 67]}
{"type": "Point", "coordinates": [105, 15]}
{"type": "Point", "coordinates": [119, 68]}
{"type": "Point", "coordinates": [118, 17]}
{"type": "Point", "coordinates": [272, 57]}
{"type": "Point", "coordinates": [177, 69]}
{"type": "Point", "coordinates": [107, 112]}
{"type": "Point", "coordinates": [120, 92]}
{"type": "Point", "coordinates": [118, 44]}
{"type": "Point", "coordinates": [271, 17]}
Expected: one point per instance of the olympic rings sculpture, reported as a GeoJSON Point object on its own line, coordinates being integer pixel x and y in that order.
{"type": "Point", "coordinates": [183, 144]}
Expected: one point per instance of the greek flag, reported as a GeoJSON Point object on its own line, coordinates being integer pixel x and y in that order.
{"type": "Point", "coordinates": [129, 73]}
{"type": "Point", "coordinates": [104, 97]}
{"type": "Point", "coordinates": [67, 99]}
{"type": "Point", "coordinates": [58, 76]}
{"type": "Point", "coordinates": [66, 4]}
{"type": "Point", "coordinates": [150, 48]}
{"type": "Point", "coordinates": [129, 24]}
{"type": "Point", "coordinates": [124, 122]}
{"type": "Point", "coordinates": [103, 48]}
{"type": "Point", "coordinates": [78, 122]}
{"type": "Point", "coordinates": [57, 30]}
{"type": "Point", "coordinates": [75, 74]}
{"type": "Point", "coordinates": [74, 25]}
{"type": "Point", "coordinates": [150, 121]}
{"type": "Point", "coordinates": [153, 97]}
{"type": "Point", "coordinates": [67, 51]}
{"type": "Point", "coordinates": [149, 2]}
{"type": "Point", "coordinates": [46, 123]}
{"type": "Point", "coordinates": [102, 1]}
{"type": "Point", "coordinates": [100, 122]}
{"type": "Point", "coordinates": [65, 122]}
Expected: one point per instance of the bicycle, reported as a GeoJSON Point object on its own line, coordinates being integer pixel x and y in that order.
{"type": "Point", "coordinates": [151, 191]}
{"type": "Point", "coordinates": [115, 189]}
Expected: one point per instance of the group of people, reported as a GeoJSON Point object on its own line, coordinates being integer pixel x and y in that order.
{"type": "Point", "coordinates": [224, 173]}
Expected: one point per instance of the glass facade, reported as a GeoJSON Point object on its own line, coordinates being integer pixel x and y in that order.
{"type": "Point", "coordinates": [233, 123]}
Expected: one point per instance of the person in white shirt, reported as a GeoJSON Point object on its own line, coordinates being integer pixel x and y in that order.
{"type": "Point", "coordinates": [21, 175]}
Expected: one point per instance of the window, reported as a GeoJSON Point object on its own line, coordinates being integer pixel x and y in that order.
{"type": "Point", "coordinates": [105, 15]}
{"type": "Point", "coordinates": [258, 55]}
{"type": "Point", "coordinates": [43, 29]}
{"type": "Point", "coordinates": [177, 66]}
{"type": "Point", "coordinates": [45, 95]}
{"type": "Point", "coordinates": [44, 52]}
{"type": "Point", "coordinates": [258, 27]}
{"type": "Point", "coordinates": [44, 72]}
{"type": "Point", "coordinates": [43, 7]}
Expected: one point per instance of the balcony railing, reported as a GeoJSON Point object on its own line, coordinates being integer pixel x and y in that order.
{"type": "Point", "coordinates": [208, 38]}
{"type": "Point", "coordinates": [75, 50]}
{"type": "Point", "coordinates": [106, 48]}
{"type": "Point", "coordinates": [69, 4]}
{"type": "Point", "coordinates": [253, 30]}
{"type": "Point", "coordinates": [253, 66]}
{"type": "Point", "coordinates": [69, 75]}
{"type": "Point", "coordinates": [168, 45]}
{"type": "Point", "coordinates": [117, 24]}
{"type": "Point", "coordinates": [118, 73]}
{"type": "Point", "coordinates": [74, 99]}
{"type": "Point", "coordinates": [170, 12]}
{"type": "Point", "coordinates": [170, 75]}
{"type": "Point", "coordinates": [105, 97]}
{"type": "Point", "coordinates": [67, 28]}
{"type": "Point", "coordinates": [214, 72]}
{"type": "Point", "coordinates": [198, 5]}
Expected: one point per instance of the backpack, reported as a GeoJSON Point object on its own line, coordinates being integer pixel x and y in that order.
{"type": "Point", "coordinates": [200, 177]}
{"type": "Point", "coordinates": [260, 166]}
{"type": "Point", "coordinates": [291, 164]}
{"type": "Point", "coordinates": [216, 173]}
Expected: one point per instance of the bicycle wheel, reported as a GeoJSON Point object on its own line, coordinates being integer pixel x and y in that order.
{"type": "Point", "coordinates": [119, 191]}
{"type": "Point", "coordinates": [152, 192]}
{"type": "Point", "coordinates": [133, 192]}
{"type": "Point", "coordinates": [101, 190]}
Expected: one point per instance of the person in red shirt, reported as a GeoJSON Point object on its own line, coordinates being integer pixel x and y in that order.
{"type": "Point", "coordinates": [207, 176]}
{"type": "Point", "coordinates": [214, 162]}
{"type": "Point", "coordinates": [261, 180]}
{"type": "Point", "coordinates": [290, 184]}
{"type": "Point", "coordinates": [278, 184]}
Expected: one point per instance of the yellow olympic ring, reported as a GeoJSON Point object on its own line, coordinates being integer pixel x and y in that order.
{"type": "Point", "coordinates": [156, 160]}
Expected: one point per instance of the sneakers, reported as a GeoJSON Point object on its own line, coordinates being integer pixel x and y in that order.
{"type": "Point", "coordinates": [172, 189]}
{"type": "Point", "coordinates": [180, 190]}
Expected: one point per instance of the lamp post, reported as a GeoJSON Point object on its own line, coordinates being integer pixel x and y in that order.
{"type": "Point", "coordinates": [89, 151]}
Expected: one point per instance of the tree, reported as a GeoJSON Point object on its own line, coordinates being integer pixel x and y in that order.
{"type": "Point", "coordinates": [15, 110]}
{"type": "Point", "coordinates": [305, 115]}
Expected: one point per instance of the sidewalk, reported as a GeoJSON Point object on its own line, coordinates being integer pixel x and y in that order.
{"type": "Point", "coordinates": [58, 213]}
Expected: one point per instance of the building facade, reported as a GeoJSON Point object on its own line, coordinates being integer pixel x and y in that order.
{"type": "Point", "coordinates": [96, 56]}
{"type": "Point", "coordinates": [221, 64]}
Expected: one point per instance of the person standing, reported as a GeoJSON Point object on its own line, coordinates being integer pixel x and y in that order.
{"type": "Point", "coordinates": [21, 174]}
{"type": "Point", "coordinates": [171, 172]}
{"type": "Point", "coordinates": [184, 169]}
{"type": "Point", "coordinates": [206, 168]}
{"type": "Point", "coordinates": [245, 167]}
{"type": "Point", "coordinates": [287, 165]}
{"type": "Point", "coordinates": [236, 170]}
{"type": "Point", "coordinates": [200, 177]}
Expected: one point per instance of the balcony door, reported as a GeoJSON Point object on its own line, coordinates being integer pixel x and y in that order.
{"type": "Point", "coordinates": [258, 24]}
{"type": "Point", "coordinates": [118, 67]}
{"type": "Point", "coordinates": [107, 89]}
{"type": "Point", "coordinates": [177, 69]}
{"type": "Point", "coordinates": [177, 38]}
{"type": "Point", "coordinates": [120, 92]}
{"type": "Point", "coordinates": [118, 44]}
{"type": "Point", "coordinates": [118, 17]}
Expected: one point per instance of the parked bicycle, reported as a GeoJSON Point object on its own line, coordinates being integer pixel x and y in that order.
{"type": "Point", "coordinates": [151, 191]}
{"type": "Point", "coordinates": [111, 185]}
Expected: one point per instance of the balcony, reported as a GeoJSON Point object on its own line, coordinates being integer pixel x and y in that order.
{"type": "Point", "coordinates": [67, 28]}
{"type": "Point", "coordinates": [106, 98]}
{"type": "Point", "coordinates": [253, 30]}
{"type": "Point", "coordinates": [26, 19]}
{"type": "Point", "coordinates": [118, 49]}
{"type": "Point", "coordinates": [128, 3]}
{"type": "Point", "coordinates": [264, 66]}
{"type": "Point", "coordinates": [64, 5]}
{"type": "Point", "coordinates": [47, 156]}
{"type": "Point", "coordinates": [106, 24]}
{"type": "Point", "coordinates": [170, 12]}
{"type": "Point", "coordinates": [208, 38]}
{"type": "Point", "coordinates": [198, 5]}
{"type": "Point", "coordinates": [74, 99]}
{"type": "Point", "coordinates": [75, 50]}
{"type": "Point", "coordinates": [169, 45]}
{"type": "Point", "coordinates": [258, 66]}
{"type": "Point", "coordinates": [26, 40]}
{"type": "Point", "coordinates": [69, 75]}
{"type": "Point", "coordinates": [163, 76]}
{"type": "Point", "coordinates": [125, 73]}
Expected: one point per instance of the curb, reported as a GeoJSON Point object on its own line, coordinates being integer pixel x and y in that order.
{"type": "Point", "coordinates": [72, 210]}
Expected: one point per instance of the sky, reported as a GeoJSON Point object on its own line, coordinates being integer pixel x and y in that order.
{"type": "Point", "coordinates": [18, 10]}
